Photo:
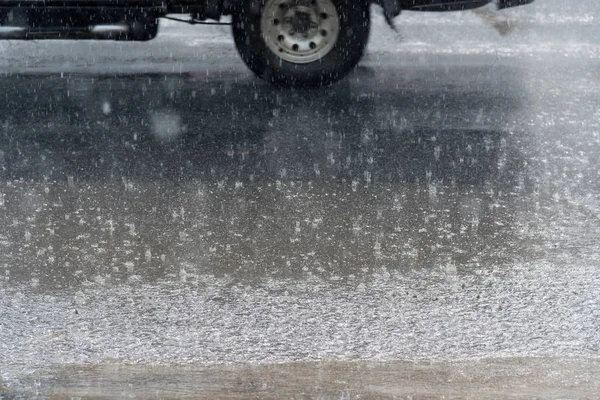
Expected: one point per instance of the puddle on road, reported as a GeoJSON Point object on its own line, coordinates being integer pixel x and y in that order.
{"type": "Point", "coordinates": [152, 179]}
{"type": "Point", "coordinates": [488, 378]}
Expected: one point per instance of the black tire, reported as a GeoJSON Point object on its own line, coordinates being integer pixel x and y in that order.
{"type": "Point", "coordinates": [354, 27]}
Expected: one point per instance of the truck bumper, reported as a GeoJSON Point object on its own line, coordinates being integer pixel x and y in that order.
{"type": "Point", "coordinates": [392, 8]}
{"type": "Point", "coordinates": [512, 3]}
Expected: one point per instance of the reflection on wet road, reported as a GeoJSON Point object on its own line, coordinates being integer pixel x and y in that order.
{"type": "Point", "coordinates": [423, 212]}
{"type": "Point", "coordinates": [157, 176]}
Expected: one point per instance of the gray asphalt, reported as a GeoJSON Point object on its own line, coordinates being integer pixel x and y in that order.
{"type": "Point", "coordinates": [160, 206]}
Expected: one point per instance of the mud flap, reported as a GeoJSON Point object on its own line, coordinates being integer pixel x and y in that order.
{"type": "Point", "coordinates": [391, 9]}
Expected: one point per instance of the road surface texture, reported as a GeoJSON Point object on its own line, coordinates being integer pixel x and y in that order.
{"type": "Point", "coordinates": [429, 227]}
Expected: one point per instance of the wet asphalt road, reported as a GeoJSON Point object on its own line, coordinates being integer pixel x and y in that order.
{"type": "Point", "coordinates": [441, 203]}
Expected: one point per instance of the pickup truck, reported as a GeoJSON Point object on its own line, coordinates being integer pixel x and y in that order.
{"type": "Point", "coordinates": [287, 42]}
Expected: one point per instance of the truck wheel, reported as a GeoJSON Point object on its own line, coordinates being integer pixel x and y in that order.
{"type": "Point", "coordinates": [301, 42]}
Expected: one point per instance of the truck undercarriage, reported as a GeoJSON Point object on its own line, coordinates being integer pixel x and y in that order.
{"type": "Point", "coordinates": [288, 42]}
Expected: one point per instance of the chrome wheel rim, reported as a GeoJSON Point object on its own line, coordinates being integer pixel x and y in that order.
{"type": "Point", "coordinates": [300, 31]}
